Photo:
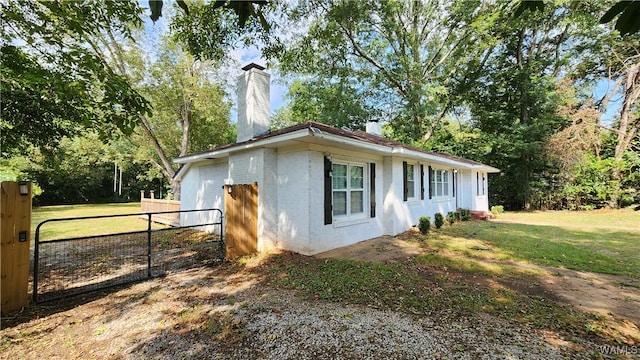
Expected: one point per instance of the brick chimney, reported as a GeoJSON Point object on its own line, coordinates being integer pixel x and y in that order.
{"type": "Point", "coordinates": [373, 127]}
{"type": "Point", "coordinates": [253, 102]}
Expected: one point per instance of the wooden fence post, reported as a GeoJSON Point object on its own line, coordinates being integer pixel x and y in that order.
{"type": "Point", "coordinates": [15, 224]}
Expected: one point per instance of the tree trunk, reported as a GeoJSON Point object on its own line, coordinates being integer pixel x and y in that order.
{"type": "Point", "coordinates": [628, 122]}
{"type": "Point", "coordinates": [175, 189]}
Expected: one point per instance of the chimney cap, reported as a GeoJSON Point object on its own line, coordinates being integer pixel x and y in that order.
{"type": "Point", "coordinates": [253, 66]}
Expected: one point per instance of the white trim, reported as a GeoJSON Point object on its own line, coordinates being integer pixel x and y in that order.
{"type": "Point", "coordinates": [245, 146]}
{"type": "Point", "coordinates": [360, 145]}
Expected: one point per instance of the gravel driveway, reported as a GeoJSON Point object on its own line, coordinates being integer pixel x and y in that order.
{"type": "Point", "coordinates": [224, 313]}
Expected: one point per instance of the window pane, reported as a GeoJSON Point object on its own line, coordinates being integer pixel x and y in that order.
{"type": "Point", "coordinates": [411, 184]}
{"type": "Point", "coordinates": [339, 178]}
{"type": "Point", "coordinates": [357, 202]}
{"type": "Point", "coordinates": [438, 189]}
{"type": "Point", "coordinates": [339, 203]}
{"type": "Point", "coordinates": [445, 183]}
{"type": "Point", "coordinates": [339, 170]}
{"type": "Point", "coordinates": [357, 177]}
{"type": "Point", "coordinates": [438, 175]}
{"type": "Point", "coordinates": [411, 188]}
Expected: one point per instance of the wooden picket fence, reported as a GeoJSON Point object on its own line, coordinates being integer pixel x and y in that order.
{"type": "Point", "coordinates": [152, 205]}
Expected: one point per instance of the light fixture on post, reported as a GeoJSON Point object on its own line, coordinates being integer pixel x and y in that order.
{"type": "Point", "coordinates": [23, 188]}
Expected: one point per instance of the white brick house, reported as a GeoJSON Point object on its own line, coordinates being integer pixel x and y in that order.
{"type": "Point", "coordinates": [320, 187]}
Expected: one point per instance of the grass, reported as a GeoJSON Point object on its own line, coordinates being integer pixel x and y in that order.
{"type": "Point", "coordinates": [470, 269]}
{"type": "Point", "coordinates": [579, 241]}
{"type": "Point", "coordinates": [418, 289]}
{"type": "Point", "coordinates": [72, 228]}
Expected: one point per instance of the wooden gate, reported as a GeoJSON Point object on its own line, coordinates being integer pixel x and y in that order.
{"type": "Point", "coordinates": [241, 219]}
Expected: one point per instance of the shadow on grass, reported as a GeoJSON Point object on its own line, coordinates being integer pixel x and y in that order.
{"type": "Point", "coordinates": [601, 251]}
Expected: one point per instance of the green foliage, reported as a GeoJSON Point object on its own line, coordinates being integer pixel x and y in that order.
{"type": "Point", "coordinates": [627, 22]}
{"type": "Point", "coordinates": [438, 220]}
{"type": "Point", "coordinates": [15, 169]}
{"type": "Point", "coordinates": [452, 217]}
{"type": "Point", "coordinates": [497, 210]}
{"type": "Point", "coordinates": [424, 224]}
{"type": "Point", "coordinates": [337, 103]}
{"type": "Point", "coordinates": [465, 214]}
{"type": "Point", "coordinates": [184, 93]}
{"type": "Point", "coordinates": [390, 60]}
{"type": "Point", "coordinates": [597, 183]}
{"type": "Point", "coordinates": [39, 106]}
{"type": "Point", "coordinates": [77, 87]}
{"type": "Point", "coordinates": [80, 170]}
{"type": "Point", "coordinates": [210, 30]}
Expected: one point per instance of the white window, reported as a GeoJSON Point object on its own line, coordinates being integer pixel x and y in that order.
{"type": "Point", "coordinates": [481, 180]}
{"type": "Point", "coordinates": [411, 181]}
{"type": "Point", "coordinates": [348, 186]}
{"type": "Point", "coordinates": [440, 183]}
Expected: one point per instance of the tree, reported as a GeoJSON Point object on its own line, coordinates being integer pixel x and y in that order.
{"type": "Point", "coordinates": [190, 113]}
{"type": "Point", "coordinates": [626, 11]}
{"type": "Point", "coordinates": [397, 60]}
{"type": "Point", "coordinates": [39, 106]}
{"type": "Point", "coordinates": [70, 84]}
{"type": "Point", "coordinates": [516, 101]}
{"type": "Point", "coordinates": [209, 30]}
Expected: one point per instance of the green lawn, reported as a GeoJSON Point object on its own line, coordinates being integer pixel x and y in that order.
{"type": "Point", "coordinates": [596, 241]}
{"type": "Point", "coordinates": [71, 228]}
{"type": "Point", "coordinates": [477, 267]}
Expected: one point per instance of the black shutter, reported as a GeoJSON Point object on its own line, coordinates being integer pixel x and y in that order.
{"type": "Point", "coordinates": [328, 188]}
{"type": "Point", "coordinates": [372, 188]}
{"type": "Point", "coordinates": [421, 182]}
{"type": "Point", "coordinates": [405, 182]}
{"type": "Point", "coordinates": [430, 182]}
{"type": "Point", "coordinates": [454, 179]}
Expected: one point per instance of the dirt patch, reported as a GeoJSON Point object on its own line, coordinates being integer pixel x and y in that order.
{"type": "Point", "coordinates": [616, 298]}
{"type": "Point", "coordinates": [382, 249]}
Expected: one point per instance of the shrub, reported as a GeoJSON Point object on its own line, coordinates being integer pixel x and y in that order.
{"type": "Point", "coordinates": [452, 217]}
{"type": "Point", "coordinates": [424, 224]}
{"type": "Point", "coordinates": [497, 209]}
{"type": "Point", "coordinates": [465, 214]}
{"type": "Point", "coordinates": [439, 220]}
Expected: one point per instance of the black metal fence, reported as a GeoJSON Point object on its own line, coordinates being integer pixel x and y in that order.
{"type": "Point", "coordinates": [66, 267]}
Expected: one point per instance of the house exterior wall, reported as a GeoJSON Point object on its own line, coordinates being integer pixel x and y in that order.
{"type": "Point", "coordinates": [259, 166]}
{"type": "Point", "coordinates": [400, 214]}
{"type": "Point", "coordinates": [202, 189]}
{"type": "Point", "coordinates": [465, 184]}
{"type": "Point", "coordinates": [291, 195]}
{"type": "Point", "coordinates": [341, 233]}
{"type": "Point", "coordinates": [479, 191]}
{"type": "Point", "coordinates": [293, 202]}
